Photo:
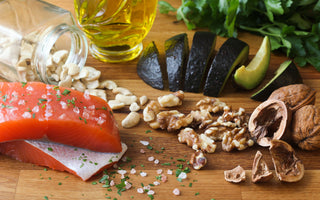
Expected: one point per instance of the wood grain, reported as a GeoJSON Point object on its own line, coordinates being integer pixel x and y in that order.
{"type": "Point", "coordinates": [23, 181]}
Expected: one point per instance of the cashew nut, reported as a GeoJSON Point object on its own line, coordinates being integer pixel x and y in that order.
{"type": "Point", "coordinates": [131, 120]}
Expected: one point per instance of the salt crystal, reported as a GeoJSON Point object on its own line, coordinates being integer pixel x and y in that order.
{"type": "Point", "coordinates": [159, 171]}
{"type": "Point", "coordinates": [112, 183]}
{"type": "Point", "coordinates": [182, 175]}
{"type": "Point", "coordinates": [150, 192]}
{"type": "Point", "coordinates": [143, 174]}
{"type": "Point", "coordinates": [128, 185]}
{"type": "Point", "coordinates": [156, 183]}
{"type": "Point", "coordinates": [133, 171]}
{"type": "Point", "coordinates": [145, 143]}
{"type": "Point", "coordinates": [176, 191]}
{"type": "Point", "coordinates": [142, 151]}
{"type": "Point", "coordinates": [169, 172]}
{"type": "Point", "coordinates": [151, 158]}
{"type": "Point", "coordinates": [140, 190]}
{"type": "Point", "coordinates": [156, 161]}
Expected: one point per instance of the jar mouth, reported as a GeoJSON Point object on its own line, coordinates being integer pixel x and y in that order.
{"type": "Point", "coordinates": [77, 49]}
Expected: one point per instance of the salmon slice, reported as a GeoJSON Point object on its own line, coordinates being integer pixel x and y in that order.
{"type": "Point", "coordinates": [34, 110]}
{"type": "Point", "coordinates": [80, 162]}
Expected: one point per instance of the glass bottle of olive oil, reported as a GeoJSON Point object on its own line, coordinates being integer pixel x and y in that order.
{"type": "Point", "coordinates": [116, 28]}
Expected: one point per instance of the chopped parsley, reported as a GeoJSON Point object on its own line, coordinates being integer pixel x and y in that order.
{"type": "Point", "coordinates": [66, 92]}
{"type": "Point", "coordinates": [23, 84]}
{"type": "Point", "coordinates": [50, 149]}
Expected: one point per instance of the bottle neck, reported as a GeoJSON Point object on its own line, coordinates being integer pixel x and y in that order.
{"type": "Point", "coordinates": [78, 49]}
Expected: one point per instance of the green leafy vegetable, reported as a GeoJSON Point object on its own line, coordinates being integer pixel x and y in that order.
{"type": "Point", "coordinates": [292, 26]}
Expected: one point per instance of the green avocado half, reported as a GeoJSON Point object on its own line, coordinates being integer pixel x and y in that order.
{"type": "Point", "coordinates": [286, 74]}
{"type": "Point", "coordinates": [231, 54]}
{"type": "Point", "coordinates": [251, 76]}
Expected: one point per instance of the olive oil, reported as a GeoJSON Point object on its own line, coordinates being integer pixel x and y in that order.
{"type": "Point", "coordinates": [115, 28]}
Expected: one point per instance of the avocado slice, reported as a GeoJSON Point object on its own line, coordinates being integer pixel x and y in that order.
{"type": "Point", "coordinates": [232, 53]}
{"type": "Point", "coordinates": [251, 76]}
{"type": "Point", "coordinates": [149, 68]}
{"type": "Point", "coordinates": [176, 50]}
{"type": "Point", "coordinates": [200, 54]}
{"type": "Point", "coordinates": [286, 74]}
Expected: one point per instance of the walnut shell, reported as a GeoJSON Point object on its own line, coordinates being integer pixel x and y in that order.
{"type": "Point", "coordinates": [295, 96]}
{"type": "Point", "coordinates": [306, 127]}
{"type": "Point", "coordinates": [260, 169]}
{"type": "Point", "coordinates": [235, 175]}
{"type": "Point", "coordinates": [270, 120]}
{"type": "Point", "coordinates": [287, 165]}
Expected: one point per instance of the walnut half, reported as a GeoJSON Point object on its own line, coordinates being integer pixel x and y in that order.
{"type": "Point", "coordinates": [288, 166]}
{"type": "Point", "coordinates": [269, 121]}
{"type": "Point", "coordinates": [198, 160]}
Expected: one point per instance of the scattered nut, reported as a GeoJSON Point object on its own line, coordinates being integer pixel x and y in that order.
{"type": "Point", "coordinates": [131, 120]}
{"type": "Point", "coordinates": [134, 107]}
{"type": "Point", "coordinates": [98, 92]}
{"type": "Point", "coordinates": [150, 111]}
{"type": "Point", "coordinates": [269, 121]}
{"type": "Point", "coordinates": [60, 56]}
{"type": "Point", "coordinates": [171, 100]}
{"type": "Point", "coordinates": [122, 90]}
{"type": "Point", "coordinates": [288, 166]}
{"type": "Point", "coordinates": [93, 74]}
{"type": "Point", "coordinates": [143, 100]}
{"type": "Point", "coordinates": [198, 160]}
{"type": "Point", "coordinates": [127, 100]}
{"type": "Point", "coordinates": [295, 96]}
{"type": "Point", "coordinates": [173, 120]}
{"type": "Point", "coordinates": [211, 105]}
{"type": "Point", "coordinates": [115, 104]}
{"type": "Point", "coordinates": [235, 175]}
{"type": "Point", "coordinates": [260, 169]}
{"type": "Point", "coordinates": [108, 84]}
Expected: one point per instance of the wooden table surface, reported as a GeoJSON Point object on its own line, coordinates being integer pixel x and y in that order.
{"type": "Point", "coordinates": [21, 181]}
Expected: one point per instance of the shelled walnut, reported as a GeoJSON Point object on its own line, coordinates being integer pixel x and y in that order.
{"type": "Point", "coordinates": [213, 105]}
{"type": "Point", "coordinates": [306, 127]}
{"type": "Point", "coordinates": [288, 166]}
{"type": "Point", "coordinates": [171, 100]}
{"type": "Point", "coordinates": [270, 120]}
{"type": "Point", "coordinates": [295, 96]}
{"type": "Point", "coordinates": [197, 142]}
{"type": "Point", "coordinates": [173, 120]}
{"type": "Point", "coordinates": [198, 160]}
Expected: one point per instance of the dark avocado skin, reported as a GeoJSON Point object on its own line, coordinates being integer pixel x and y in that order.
{"type": "Point", "coordinates": [289, 76]}
{"type": "Point", "coordinates": [221, 65]}
{"type": "Point", "coordinates": [148, 67]}
{"type": "Point", "coordinates": [201, 51]}
{"type": "Point", "coordinates": [176, 50]}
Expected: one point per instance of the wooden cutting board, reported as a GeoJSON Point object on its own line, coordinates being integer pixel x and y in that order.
{"type": "Point", "coordinates": [21, 181]}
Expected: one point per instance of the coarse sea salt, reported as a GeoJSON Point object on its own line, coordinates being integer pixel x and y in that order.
{"type": "Point", "coordinates": [145, 143]}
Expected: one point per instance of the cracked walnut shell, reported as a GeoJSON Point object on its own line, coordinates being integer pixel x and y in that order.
{"type": "Point", "coordinates": [270, 120]}
{"type": "Point", "coordinates": [295, 96]}
{"type": "Point", "coordinates": [235, 175]}
{"type": "Point", "coordinates": [288, 166]}
{"type": "Point", "coordinates": [260, 169]}
{"type": "Point", "coordinates": [306, 127]}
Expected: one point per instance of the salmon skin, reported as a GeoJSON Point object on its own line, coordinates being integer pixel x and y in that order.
{"type": "Point", "coordinates": [34, 111]}
{"type": "Point", "coordinates": [83, 163]}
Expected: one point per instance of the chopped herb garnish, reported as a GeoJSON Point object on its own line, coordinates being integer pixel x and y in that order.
{"type": "Point", "coordinates": [197, 193]}
{"type": "Point", "coordinates": [4, 98]}
{"type": "Point", "coordinates": [65, 92]}
{"type": "Point", "coordinates": [82, 164]}
{"type": "Point", "coordinates": [85, 120]}
{"type": "Point", "coordinates": [46, 198]}
{"type": "Point", "coordinates": [149, 147]}
{"type": "Point", "coordinates": [190, 184]}
{"type": "Point", "coordinates": [94, 183]}
{"type": "Point", "coordinates": [148, 131]}
{"type": "Point", "coordinates": [42, 100]}
{"type": "Point", "coordinates": [50, 149]}
{"type": "Point", "coordinates": [142, 165]}
{"type": "Point", "coordinates": [181, 159]}
{"type": "Point", "coordinates": [24, 84]}
{"type": "Point", "coordinates": [59, 183]}
{"type": "Point", "coordinates": [151, 196]}
{"type": "Point", "coordinates": [33, 115]}
{"type": "Point", "coordinates": [108, 197]}
{"type": "Point", "coordinates": [45, 169]}
{"type": "Point", "coordinates": [166, 164]}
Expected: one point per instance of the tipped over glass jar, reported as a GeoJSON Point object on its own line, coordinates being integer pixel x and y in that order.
{"type": "Point", "coordinates": [37, 40]}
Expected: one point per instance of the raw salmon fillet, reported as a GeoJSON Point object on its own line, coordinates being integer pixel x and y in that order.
{"type": "Point", "coordinates": [34, 110]}
{"type": "Point", "coordinates": [80, 162]}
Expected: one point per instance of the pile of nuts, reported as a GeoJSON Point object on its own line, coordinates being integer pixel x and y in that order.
{"type": "Point", "coordinates": [230, 127]}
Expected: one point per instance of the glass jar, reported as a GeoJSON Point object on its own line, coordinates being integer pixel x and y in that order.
{"type": "Point", "coordinates": [37, 39]}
